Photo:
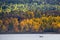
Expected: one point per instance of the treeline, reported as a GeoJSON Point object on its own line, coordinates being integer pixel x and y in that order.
{"type": "Point", "coordinates": [28, 7]}
{"type": "Point", "coordinates": [32, 1]}
{"type": "Point", "coordinates": [29, 23]}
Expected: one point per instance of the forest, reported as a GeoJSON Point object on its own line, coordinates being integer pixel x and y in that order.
{"type": "Point", "coordinates": [30, 16]}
